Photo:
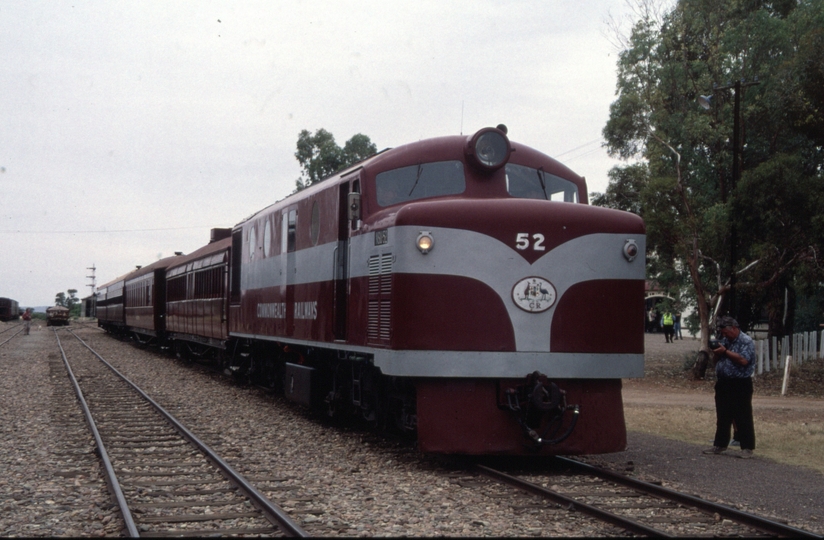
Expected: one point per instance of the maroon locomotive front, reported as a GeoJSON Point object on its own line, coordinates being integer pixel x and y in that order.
{"type": "Point", "coordinates": [460, 288]}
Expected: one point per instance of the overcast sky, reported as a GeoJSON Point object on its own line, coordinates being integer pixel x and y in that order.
{"type": "Point", "coordinates": [129, 129]}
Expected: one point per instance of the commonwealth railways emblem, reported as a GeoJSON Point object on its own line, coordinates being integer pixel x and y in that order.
{"type": "Point", "coordinates": [533, 294]}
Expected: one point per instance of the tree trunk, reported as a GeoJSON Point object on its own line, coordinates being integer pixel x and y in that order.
{"type": "Point", "coordinates": [699, 369]}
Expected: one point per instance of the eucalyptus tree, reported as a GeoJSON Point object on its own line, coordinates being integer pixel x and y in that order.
{"type": "Point", "coordinates": [705, 230]}
{"type": "Point", "coordinates": [69, 301]}
{"type": "Point", "coordinates": [319, 156]}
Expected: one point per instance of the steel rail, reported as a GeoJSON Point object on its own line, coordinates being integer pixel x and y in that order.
{"type": "Point", "coordinates": [12, 327]}
{"type": "Point", "coordinates": [111, 477]}
{"type": "Point", "coordinates": [274, 513]}
{"type": "Point", "coordinates": [756, 522]}
{"type": "Point", "coordinates": [11, 337]}
{"type": "Point", "coordinates": [572, 504]}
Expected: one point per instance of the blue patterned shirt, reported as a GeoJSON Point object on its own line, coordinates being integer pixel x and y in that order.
{"type": "Point", "coordinates": [726, 368]}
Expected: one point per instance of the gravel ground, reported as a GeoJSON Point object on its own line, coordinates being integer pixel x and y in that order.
{"type": "Point", "coordinates": [51, 483]}
{"type": "Point", "coordinates": [338, 482]}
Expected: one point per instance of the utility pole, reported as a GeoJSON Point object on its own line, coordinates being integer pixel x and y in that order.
{"type": "Point", "coordinates": [737, 150]}
{"type": "Point", "coordinates": [92, 277]}
{"type": "Point", "coordinates": [92, 286]}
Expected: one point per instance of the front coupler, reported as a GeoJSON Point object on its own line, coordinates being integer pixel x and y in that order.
{"type": "Point", "coordinates": [539, 407]}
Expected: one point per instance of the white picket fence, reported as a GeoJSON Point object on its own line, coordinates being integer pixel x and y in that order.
{"type": "Point", "coordinates": [772, 353]}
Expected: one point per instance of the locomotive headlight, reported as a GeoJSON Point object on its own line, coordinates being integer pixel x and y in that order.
{"type": "Point", "coordinates": [489, 149]}
{"type": "Point", "coordinates": [425, 242]}
{"type": "Point", "coordinates": [630, 250]}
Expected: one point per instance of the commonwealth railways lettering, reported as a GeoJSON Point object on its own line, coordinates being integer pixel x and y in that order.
{"type": "Point", "coordinates": [277, 310]}
{"type": "Point", "coordinates": [306, 310]}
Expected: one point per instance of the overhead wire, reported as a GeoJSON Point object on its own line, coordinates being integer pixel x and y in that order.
{"type": "Point", "coordinates": [588, 152]}
{"type": "Point", "coordinates": [579, 147]}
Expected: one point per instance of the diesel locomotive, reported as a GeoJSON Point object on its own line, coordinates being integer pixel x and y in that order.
{"type": "Point", "coordinates": [459, 288]}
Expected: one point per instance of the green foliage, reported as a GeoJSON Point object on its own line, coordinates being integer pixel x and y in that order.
{"type": "Point", "coordinates": [682, 181]}
{"type": "Point", "coordinates": [624, 190]}
{"type": "Point", "coordinates": [809, 314]}
{"type": "Point", "coordinates": [319, 156]}
{"type": "Point", "coordinates": [69, 299]}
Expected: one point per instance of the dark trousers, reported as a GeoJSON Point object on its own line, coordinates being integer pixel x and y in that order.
{"type": "Point", "coordinates": [668, 332]}
{"type": "Point", "coordinates": [733, 403]}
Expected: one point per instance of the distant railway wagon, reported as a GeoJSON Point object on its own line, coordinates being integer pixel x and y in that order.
{"type": "Point", "coordinates": [57, 316]}
{"type": "Point", "coordinates": [452, 288]}
{"type": "Point", "coordinates": [9, 310]}
{"type": "Point", "coordinates": [109, 306]}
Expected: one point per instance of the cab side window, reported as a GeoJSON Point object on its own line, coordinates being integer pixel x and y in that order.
{"type": "Point", "coordinates": [290, 222]}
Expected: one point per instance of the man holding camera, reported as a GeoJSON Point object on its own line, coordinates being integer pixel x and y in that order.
{"type": "Point", "coordinates": [735, 363]}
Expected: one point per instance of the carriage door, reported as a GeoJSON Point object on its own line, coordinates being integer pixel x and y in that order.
{"type": "Point", "coordinates": [342, 261]}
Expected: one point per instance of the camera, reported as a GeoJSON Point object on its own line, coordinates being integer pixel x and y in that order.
{"type": "Point", "coordinates": [714, 344]}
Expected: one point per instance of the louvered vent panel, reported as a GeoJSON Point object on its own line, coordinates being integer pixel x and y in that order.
{"type": "Point", "coordinates": [379, 325]}
{"type": "Point", "coordinates": [385, 326]}
{"type": "Point", "coordinates": [373, 328]}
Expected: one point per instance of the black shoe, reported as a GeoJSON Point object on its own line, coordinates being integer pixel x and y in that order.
{"type": "Point", "coordinates": [715, 450]}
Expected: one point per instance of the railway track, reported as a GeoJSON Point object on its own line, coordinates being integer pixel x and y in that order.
{"type": "Point", "coordinates": [11, 326]}
{"type": "Point", "coordinates": [15, 329]}
{"type": "Point", "coordinates": [653, 516]}
{"type": "Point", "coordinates": [165, 480]}
{"type": "Point", "coordinates": [639, 507]}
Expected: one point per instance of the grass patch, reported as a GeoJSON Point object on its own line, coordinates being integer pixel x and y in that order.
{"type": "Point", "coordinates": [787, 441]}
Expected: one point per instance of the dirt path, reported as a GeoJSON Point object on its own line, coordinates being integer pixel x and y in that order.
{"type": "Point", "coordinates": [667, 383]}
{"type": "Point", "coordinates": [648, 394]}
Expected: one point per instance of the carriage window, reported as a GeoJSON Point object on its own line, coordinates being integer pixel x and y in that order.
{"type": "Point", "coordinates": [209, 283]}
{"type": "Point", "coordinates": [528, 183]}
{"type": "Point", "coordinates": [420, 181]}
{"type": "Point", "coordinates": [176, 289]}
